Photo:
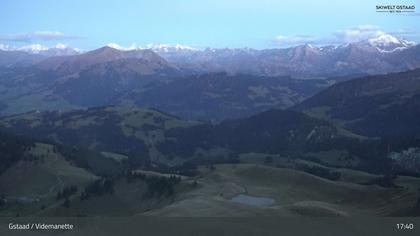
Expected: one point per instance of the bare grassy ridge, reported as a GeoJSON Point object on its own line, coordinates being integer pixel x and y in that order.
{"type": "Point", "coordinates": [30, 184]}
{"type": "Point", "coordinates": [295, 194]}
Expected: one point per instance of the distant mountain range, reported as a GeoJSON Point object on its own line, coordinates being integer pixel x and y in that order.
{"type": "Point", "coordinates": [210, 84]}
{"type": "Point", "coordinates": [379, 55]}
{"type": "Point", "coordinates": [373, 56]}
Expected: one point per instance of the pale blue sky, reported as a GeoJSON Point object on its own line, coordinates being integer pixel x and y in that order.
{"type": "Point", "coordinates": [207, 23]}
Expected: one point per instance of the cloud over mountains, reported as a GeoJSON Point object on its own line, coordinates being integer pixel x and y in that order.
{"type": "Point", "coordinates": [38, 36]}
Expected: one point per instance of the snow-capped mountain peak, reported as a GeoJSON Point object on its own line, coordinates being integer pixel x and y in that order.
{"type": "Point", "coordinates": [384, 39]}
{"type": "Point", "coordinates": [389, 43]}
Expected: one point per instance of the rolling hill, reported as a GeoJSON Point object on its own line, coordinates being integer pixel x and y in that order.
{"type": "Point", "coordinates": [32, 173]}
{"type": "Point", "coordinates": [217, 97]}
{"type": "Point", "coordinates": [150, 138]}
{"type": "Point", "coordinates": [129, 131]}
{"type": "Point", "coordinates": [381, 105]}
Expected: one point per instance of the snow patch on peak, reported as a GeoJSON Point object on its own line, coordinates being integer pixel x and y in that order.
{"type": "Point", "coordinates": [133, 46]}
{"type": "Point", "coordinates": [169, 47]}
{"type": "Point", "coordinates": [65, 47]}
{"type": "Point", "coordinates": [308, 45]}
{"type": "Point", "coordinates": [33, 48]}
{"type": "Point", "coordinates": [115, 46]}
{"type": "Point", "coordinates": [6, 47]}
{"type": "Point", "coordinates": [153, 47]}
{"type": "Point", "coordinates": [61, 46]}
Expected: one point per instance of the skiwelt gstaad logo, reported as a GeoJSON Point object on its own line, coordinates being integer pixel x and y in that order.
{"type": "Point", "coordinates": [396, 8]}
